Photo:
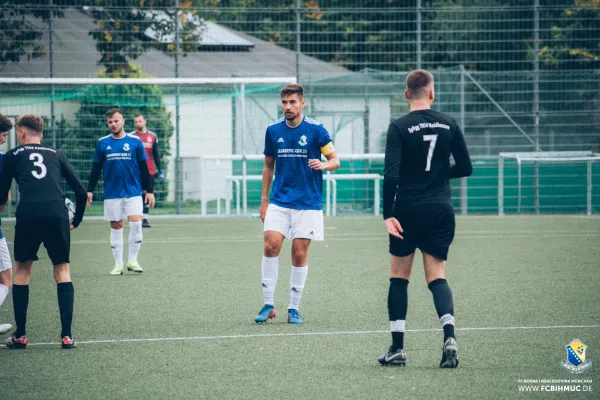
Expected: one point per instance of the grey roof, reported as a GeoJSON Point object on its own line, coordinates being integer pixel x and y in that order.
{"type": "Point", "coordinates": [75, 55]}
{"type": "Point", "coordinates": [356, 83]}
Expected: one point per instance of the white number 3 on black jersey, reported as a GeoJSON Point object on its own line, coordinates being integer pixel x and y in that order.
{"type": "Point", "coordinates": [38, 161]}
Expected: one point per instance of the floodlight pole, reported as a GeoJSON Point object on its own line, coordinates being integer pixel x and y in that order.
{"type": "Point", "coordinates": [178, 175]}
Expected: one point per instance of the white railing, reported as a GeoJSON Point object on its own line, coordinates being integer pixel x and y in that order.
{"type": "Point", "coordinates": [239, 204]}
{"type": "Point", "coordinates": [240, 183]}
{"type": "Point", "coordinates": [330, 191]}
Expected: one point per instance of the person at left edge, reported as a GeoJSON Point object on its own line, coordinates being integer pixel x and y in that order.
{"type": "Point", "coordinates": [41, 218]}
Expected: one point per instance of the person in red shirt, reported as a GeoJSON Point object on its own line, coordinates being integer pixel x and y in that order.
{"type": "Point", "coordinates": [150, 141]}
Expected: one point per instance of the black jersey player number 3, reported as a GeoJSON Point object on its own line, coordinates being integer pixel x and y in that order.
{"type": "Point", "coordinates": [38, 162]}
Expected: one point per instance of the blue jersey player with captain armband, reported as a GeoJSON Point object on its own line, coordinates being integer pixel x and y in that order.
{"type": "Point", "coordinates": [5, 260]}
{"type": "Point", "coordinates": [295, 209]}
{"type": "Point", "coordinates": [126, 177]}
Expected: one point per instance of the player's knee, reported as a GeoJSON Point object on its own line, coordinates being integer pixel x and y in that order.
{"type": "Point", "coordinates": [62, 273]}
{"type": "Point", "coordinates": [272, 248]}
{"type": "Point", "coordinates": [6, 279]}
{"type": "Point", "coordinates": [117, 225]}
{"type": "Point", "coordinates": [299, 256]}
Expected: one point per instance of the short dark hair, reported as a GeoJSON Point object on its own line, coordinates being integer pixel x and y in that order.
{"type": "Point", "coordinates": [5, 124]}
{"type": "Point", "coordinates": [416, 81]}
{"type": "Point", "coordinates": [32, 122]}
{"type": "Point", "coordinates": [138, 115]}
{"type": "Point", "coordinates": [291, 89]}
{"type": "Point", "coordinates": [113, 111]}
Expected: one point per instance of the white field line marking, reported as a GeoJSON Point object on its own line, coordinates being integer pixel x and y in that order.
{"type": "Point", "coordinates": [333, 238]}
{"type": "Point", "coordinates": [262, 335]}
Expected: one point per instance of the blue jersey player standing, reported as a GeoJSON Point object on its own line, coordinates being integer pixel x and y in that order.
{"type": "Point", "coordinates": [126, 177]}
{"type": "Point", "coordinates": [5, 260]}
{"type": "Point", "coordinates": [294, 145]}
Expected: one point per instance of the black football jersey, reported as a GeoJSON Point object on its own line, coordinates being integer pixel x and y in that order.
{"type": "Point", "coordinates": [38, 170]}
{"type": "Point", "coordinates": [417, 159]}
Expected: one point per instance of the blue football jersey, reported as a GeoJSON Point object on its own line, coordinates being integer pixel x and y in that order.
{"type": "Point", "coordinates": [296, 185]}
{"type": "Point", "coordinates": [122, 178]}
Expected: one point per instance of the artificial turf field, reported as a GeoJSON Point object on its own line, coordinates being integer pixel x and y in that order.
{"type": "Point", "coordinates": [524, 287]}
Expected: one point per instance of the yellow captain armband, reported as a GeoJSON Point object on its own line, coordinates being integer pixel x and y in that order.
{"type": "Point", "coordinates": [327, 149]}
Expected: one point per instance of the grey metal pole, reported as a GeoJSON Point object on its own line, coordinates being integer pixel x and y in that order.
{"type": "Point", "coordinates": [419, 33]}
{"type": "Point", "coordinates": [500, 185]}
{"type": "Point", "coordinates": [367, 137]}
{"type": "Point", "coordinates": [536, 99]}
{"type": "Point", "coordinates": [464, 201]}
{"type": "Point", "coordinates": [244, 161]}
{"type": "Point", "coordinates": [298, 41]}
{"type": "Point", "coordinates": [589, 189]}
{"type": "Point", "coordinates": [51, 58]}
{"type": "Point", "coordinates": [178, 174]}
{"type": "Point", "coordinates": [12, 188]}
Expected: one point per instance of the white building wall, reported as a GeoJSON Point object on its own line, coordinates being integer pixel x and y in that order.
{"type": "Point", "coordinates": [205, 128]}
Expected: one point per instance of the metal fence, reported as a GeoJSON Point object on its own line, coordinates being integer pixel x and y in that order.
{"type": "Point", "coordinates": [517, 76]}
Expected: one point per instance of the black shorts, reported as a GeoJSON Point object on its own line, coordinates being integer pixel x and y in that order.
{"type": "Point", "coordinates": [428, 227]}
{"type": "Point", "coordinates": [54, 232]}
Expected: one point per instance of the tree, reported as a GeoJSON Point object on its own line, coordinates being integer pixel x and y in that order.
{"type": "Point", "coordinates": [133, 27]}
{"type": "Point", "coordinates": [355, 34]}
{"type": "Point", "coordinates": [125, 28]}
{"type": "Point", "coordinates": [132, 99]}
{"type": "Point", "coordinates": [575, 40]}
{"type": "Point", "coordinates": [22, 28]}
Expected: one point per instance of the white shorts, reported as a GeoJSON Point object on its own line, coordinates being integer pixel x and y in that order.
{"type": "Point", "coordinates": [295, 224]}
{"type": "Point", "coordinates": [118, 209]}
{"type": "Point", "coordinates": [5, 260]}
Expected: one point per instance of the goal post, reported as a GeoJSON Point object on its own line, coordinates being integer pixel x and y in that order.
{"type": "Point", "coordinates": [586, 157]}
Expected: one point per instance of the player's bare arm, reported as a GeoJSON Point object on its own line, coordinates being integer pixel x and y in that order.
{"type": "Point", "coordinates": [147, 186]}
{"type": "Point", "coordinates": [267, 179]}
{"type": "Point", "coordinates": [332, 163]}
{"type": "Point", "coordinates": [150, 200]}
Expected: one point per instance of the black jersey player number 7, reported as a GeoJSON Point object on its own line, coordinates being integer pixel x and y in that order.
{"type": "Point", "coordinates": [38, 162]}
{"type": "Point", "coordinates": [432, 139]}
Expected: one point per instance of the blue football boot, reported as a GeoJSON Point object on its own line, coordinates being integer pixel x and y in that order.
{"type": "Point", "coordinates": [294, 317]}
{"type": "Point", "coordinates": [265, 314]}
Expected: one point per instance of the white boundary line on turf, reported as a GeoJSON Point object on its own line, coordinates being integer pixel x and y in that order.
{"type": "Point", "coordinates": [199, 217]}
{"type": "Point", "coordinates": [341, 238]}
{"type": "Point", "coordinates": [329, 238]}
{"type": "Point", "coordinates": [263, 335]}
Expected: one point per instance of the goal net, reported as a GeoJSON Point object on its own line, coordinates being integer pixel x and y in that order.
{"type": "Point", "coordinates": [561, 174]}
